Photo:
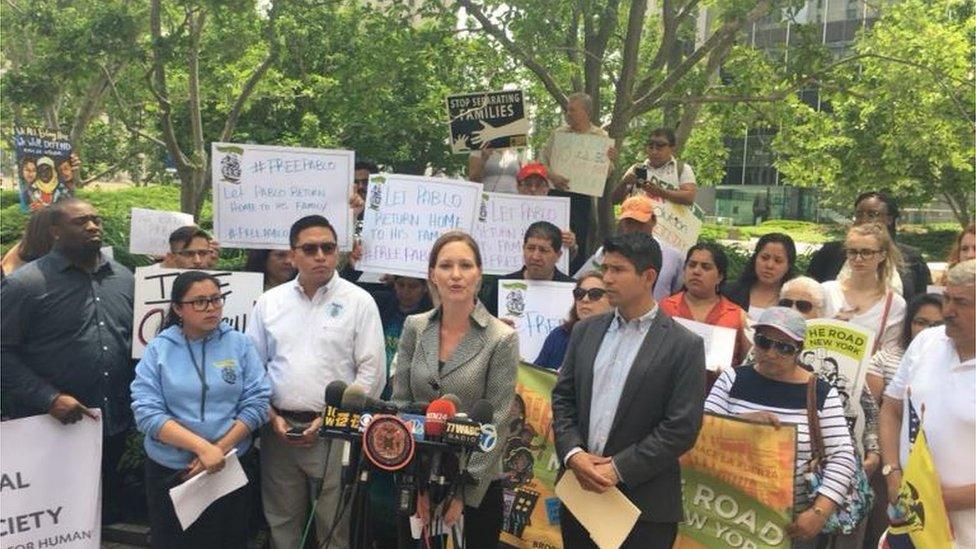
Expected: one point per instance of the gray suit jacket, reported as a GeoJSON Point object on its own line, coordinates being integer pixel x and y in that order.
{"type": "Point", "coordinates": [657, 419]}
{"type": "Point", "coordinates": [483, 365]}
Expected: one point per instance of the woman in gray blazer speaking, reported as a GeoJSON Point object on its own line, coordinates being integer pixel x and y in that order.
{"type": "Point", "coordinates": [459, 348]}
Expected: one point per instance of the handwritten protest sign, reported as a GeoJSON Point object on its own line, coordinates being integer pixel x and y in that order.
{"type": "Point", "coordinates": [502, 221]}
{"type": "Point", "coordinates": [583, 159]}
{"type": "Point", "coordinates": [840, 353]}
{"type": "Point", "coordinates": [719, 343]}
{"type": "Point", "coordinates": [51, 483]}
{"type": "Point", "coordinates": [530, 465]}
{"type": "Point", "coordinates": [152, 295]}
{"type": "Point", "coordinates": [149, 230]}
{"type": "Point", "coordinates": [43, 167]}
{"type": "Point", "coordinates": [537, 308]}
{"type": "Point", "coordinates": [487, 119]}
{"type": "Point", "coordinates": [259, 191]}
{"type": "Point", "coordinates": [737, 485]}
{"type": "Point", "coordinates": [405, 214]}
{"type": "Point", "coordinates": [676, 225]}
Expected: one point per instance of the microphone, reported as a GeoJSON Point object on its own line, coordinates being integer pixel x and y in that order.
{"type": "Point", "coordinates": [454, 400]}
{"type": "Point", "coordinates": [333, 400]}
{"type": "Point", "coordinates": [352, 405]}
{"type": "Point", "coordinates": [414, 415]}
{"type": "Point", "coordinates": [438, 413]}
{"type": "Point", "coordinates": [482, 413]}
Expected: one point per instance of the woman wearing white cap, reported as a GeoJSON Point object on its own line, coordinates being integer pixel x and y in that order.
{"type": "Point", "coordinates": [774, 390]}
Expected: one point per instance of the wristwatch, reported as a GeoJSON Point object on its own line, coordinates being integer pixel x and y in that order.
{"type": "Point", "coordinates": [888, 469]}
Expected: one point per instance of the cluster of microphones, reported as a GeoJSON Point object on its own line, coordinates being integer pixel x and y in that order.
{"type": "Point", "coordinates": [425, 445]}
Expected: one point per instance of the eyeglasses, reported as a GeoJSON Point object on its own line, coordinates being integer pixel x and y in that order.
{"type": "Point", "coordinates": [311, 250]}
{"type": "Point", "coordinates": [801, 305]}
{"type": "Point", "coordinates": [782, 348]}
{"type": "Point", "coordinates": [926, 323]}
{"type": "Point", "coordinates": [863, 254]}
{"type": "Point", "coordinates": [201, 304]}
{"type": "Point", "coordinates": [362, 181]}
{"type": "Point", "coordinates": [870, 215]}
{"type": "Point", "coordinates": [658, 144]}
{"type": "Point", "coordinates": [202, 254]}
{"type": "Point", "coordinates": [595, 294]}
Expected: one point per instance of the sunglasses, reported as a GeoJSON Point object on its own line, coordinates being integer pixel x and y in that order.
{"type": "Point", "coordinates": [782, 348]}
{"type": "Point", "coordinates": [801, 305]}
{"type": "Point", "coordinates": [201, 304]}
{"type": "Point", "coordinates": [311, 250]}
{"type": "Point", "coordinates": [595, 294]}
{"type": "Point", "coordinates": [658, 144]}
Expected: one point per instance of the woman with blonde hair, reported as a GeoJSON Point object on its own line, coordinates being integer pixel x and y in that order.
{"type": "Point", "coordinates": [863, 294]}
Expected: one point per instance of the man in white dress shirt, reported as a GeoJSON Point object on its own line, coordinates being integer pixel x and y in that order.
{"type": "Point", "coordinates": [310, 332]}
{"type": "Point", "coordinates": [938, 375]}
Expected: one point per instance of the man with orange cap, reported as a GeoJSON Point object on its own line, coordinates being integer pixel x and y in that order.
{"type": "Point", "coordinates": [637, 216]}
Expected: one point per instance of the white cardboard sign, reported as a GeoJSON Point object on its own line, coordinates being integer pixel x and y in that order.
{"type": "Point", "coordinates": [582, 158]}
{"type": "Point", "coordinates": [502, 221]}
{"type": "Point", "coordinates": [149, 230]}
{"type": "Point", "coordinates": [537, 307]}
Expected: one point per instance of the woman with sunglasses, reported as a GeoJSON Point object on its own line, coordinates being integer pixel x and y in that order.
{"type": "Point", "coordinates": [200, 390]}
{"type": "Point", "coordinates": [706, 266]}
{"type": "Point", "coordinates": [772, 263]}
{"type": "Point", "coordinates": [589, 298]}
{"type": "Point", "coordinates": [773, 390]}
{"type": "Point", "coordinates": [864, 294]}
{"type": "Point", "coordinates": [924, 311]}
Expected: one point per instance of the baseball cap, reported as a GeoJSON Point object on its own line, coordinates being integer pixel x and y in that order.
{"type": "Point", "coordinates": [638, 208]}
{"type": "Point", "coordinates": [531, 169]}
{"type": "Point", "coordinates": [786, 320]}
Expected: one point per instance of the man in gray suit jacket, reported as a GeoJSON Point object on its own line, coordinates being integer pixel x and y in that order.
{"type": "Point", "coordinates": [629, 398]}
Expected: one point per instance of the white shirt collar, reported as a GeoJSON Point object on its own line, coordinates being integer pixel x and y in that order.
{"type": "Point", "coordinates": [641, 322]}
{"type": "Point", "coordinates": [329, 286]}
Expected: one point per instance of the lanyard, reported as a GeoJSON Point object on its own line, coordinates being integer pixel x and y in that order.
{"type": "Point", "coordinates": [200, 371]}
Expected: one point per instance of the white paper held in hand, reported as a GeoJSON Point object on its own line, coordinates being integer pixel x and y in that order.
{"type": "Point", "coordinates": [192, 498]}
{"type": "Point", "coordinates": [608, 517]}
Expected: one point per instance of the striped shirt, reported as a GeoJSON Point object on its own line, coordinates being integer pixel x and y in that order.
{"type": "Point", "coordinates": [742, 390]}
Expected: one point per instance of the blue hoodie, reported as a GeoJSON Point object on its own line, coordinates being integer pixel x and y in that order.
{"type": "Point", "coordinates": [167, 387]}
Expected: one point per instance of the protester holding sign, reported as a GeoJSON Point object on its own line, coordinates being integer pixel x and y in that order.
{"type": "Point", "coordinates": [65, 334]}
{"type": "Point", "coordinates": [772, 263]}
{"type": "Point", "coordinates": [661, 175]}
{"type": "Point", "coordinates": [590, 299]}
{"type": "Point", "coordinates": [310, 332]}
{"type": "Point", "coordinates": [194, 410]}
{"type": "Point", "coordinates": [864, 295]}
{"type": "Point", "coordinates": [190, 247]}
{"type": "Point", "coordinates": [776, 389]}
{"type": "Point", "coordinates": [496, 169]}
{"type": "Point", "coordinates": [637, 216]}
{"type": "Point", "coordinates": [541, 249]}
{"type": "Point", "coordinates": [706, 267]}
{"type": "Point", "coordinates": [579, 113]}
{"type": "Point", "coordinates": [459, 348]}
{"type": "Point", "coordinates": [935, 381]}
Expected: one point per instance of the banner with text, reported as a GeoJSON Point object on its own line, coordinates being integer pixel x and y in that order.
{"type": "Point", "coordinates": [149, 230]}
{"type": "Point", "coordinates": [502, 221]}
{"type": "Point", "coordinates": [676, 225]}
{"type": "Point", "coordinates": [152, 295]}
{"type": "Point", "coordinates": [537, 307]}
{"type": "Point", "coordinates": [260, 190]}
{"type": "Point", "coordinates": [487, 120]}
{"type": "Point", "coordinates": [44, 171]}
{"type": "Point", "coordinates": [51, 483]}
{"type": "Point", "coordinates": [405, 214]}
{"type": "Point", "coordinates": [582, 158]}
{"type": "Point", "coordinates": [737, 485]}
{"type": "Point", "coordinates": [840, 353]}
{"type": "Point", "coordinates": [530, 465]}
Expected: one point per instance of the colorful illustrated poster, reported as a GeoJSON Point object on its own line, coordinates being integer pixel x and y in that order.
{"type": "Point", "coordinates": [737, 485]}
{"type": "Point", "coordinates": [487, 120]}
{"type": "Point", "coordinates": [43, 167]}
{"type": "Point", "coordinates": [840, 353]}
{"type": "Point", "coordinates": [531, 464]}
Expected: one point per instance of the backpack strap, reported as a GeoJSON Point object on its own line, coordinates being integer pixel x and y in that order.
{"type": "Point", "coordinates": [884, 322]}
{"type": "Point", "coordinates": [813, 420]}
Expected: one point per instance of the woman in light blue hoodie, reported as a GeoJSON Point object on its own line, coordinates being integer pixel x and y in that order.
{"type": "Point", "coordinates": [200, 390]}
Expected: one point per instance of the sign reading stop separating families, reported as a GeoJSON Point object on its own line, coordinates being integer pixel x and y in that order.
{"type": "Point", "coordinates": [405, 214]}
{"type": "Point", "coordinates": [502, 221]}
{"type": "Point", "coordinates": [259, 191]}
{"type": "Point", "coordinates": [487, 120]}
